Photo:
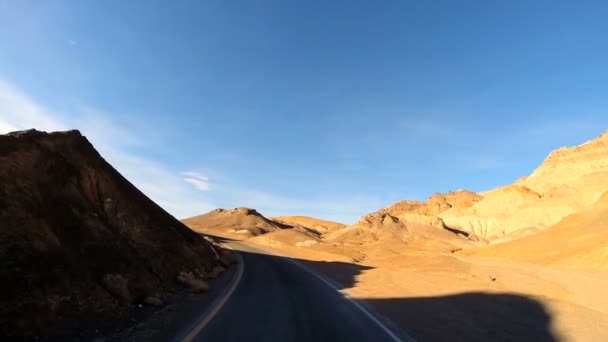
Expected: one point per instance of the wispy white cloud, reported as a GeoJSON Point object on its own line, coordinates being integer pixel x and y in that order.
{"type": "Point", "coordinates": [19, 111]}
{"type": "Point", "coordinates": [197, 180]}
{"type": "Point", "coordinates": [163, 185]}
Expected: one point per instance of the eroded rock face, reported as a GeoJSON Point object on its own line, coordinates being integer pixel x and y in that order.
{"type": "Point", "coordinates": [569, 180]}
{"type": "Point", "coordinates": [428, 220]}
{"type": "Point", "coordinates": [427, 213]}
{"type": "Point", "coordinates": [435, 204]}
{"type": "Point", "coordinates": [569, 163]}
{"type": "Point", "coordinates": [76, 237]}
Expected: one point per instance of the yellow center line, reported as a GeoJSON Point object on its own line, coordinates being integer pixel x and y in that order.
{"type": "Point", "coordinates": [220, 304]}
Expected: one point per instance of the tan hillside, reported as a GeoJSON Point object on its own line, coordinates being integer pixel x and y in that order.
{"type": "Point", "coordinates": [286, 238]}
{"type": "Point", "coordinates": [570, 163]}
{"type": "Point", "coordinates": [426, 213]}
{"type": "Point", "coordinates": [318, 225]}
{"type": "Point", "coordinates": [372, 227]}
{"type": "Point", "coordinates": [578, 241]}
{"type": "Point", "coordinates": [378, 231]}
{"type": "Point", "coordinates": [244, 221]}
{"type": "Point", "coordinates": [568, 181]}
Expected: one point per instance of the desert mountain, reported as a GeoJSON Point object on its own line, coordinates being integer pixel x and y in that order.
{"type": "Point", "coordinates": [238, 220]}
{"type": "Point", "coordinates": [578, 241]}
{"type": "Point", "coordinates": [78, 240]}
{"type": "Point", "coordinates": [568, 181]}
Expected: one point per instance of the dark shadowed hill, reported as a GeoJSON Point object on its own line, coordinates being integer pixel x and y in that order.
{"type": "Point", "coordinates": [78, 239]}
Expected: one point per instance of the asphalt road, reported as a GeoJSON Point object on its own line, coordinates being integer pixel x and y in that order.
{"type": "Point", "coordinates": [277, 300]}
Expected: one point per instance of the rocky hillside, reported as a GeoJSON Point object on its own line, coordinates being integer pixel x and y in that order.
{"type": "Point", "coordinates": [578, 241]}
{"type": "Point", "coordinates": [245, 221]}
{"type": "Point", "coordinates": [569, 164]}
{"type": "Point", "coordinates": [568, 181]}
{"type": "Point", "coordinates": [77, 240]}
{"type": "Point", "coordinates": [437, 203]}
{"type": "Point", "coordinates": [384, 231]}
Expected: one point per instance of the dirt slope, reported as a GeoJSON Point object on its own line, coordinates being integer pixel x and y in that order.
{"type": "Point", "coordinates": [77, 239]}
{"type": "Point", "coordinates": [318, 225]}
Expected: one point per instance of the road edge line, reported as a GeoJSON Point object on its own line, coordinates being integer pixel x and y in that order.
{"type": "Point", "coordinates": [353, 301]}
{"type": "Point", "coordinates": [236, 280]}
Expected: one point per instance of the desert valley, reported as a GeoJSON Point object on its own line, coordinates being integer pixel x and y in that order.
{"type": "Point", "coordinates": [525, 261]}
{"type": "Point", "coordinates": [84, 253]}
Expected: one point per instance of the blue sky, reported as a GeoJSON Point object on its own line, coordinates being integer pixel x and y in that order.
{"type": "Point", "coordinates": [323, 108]}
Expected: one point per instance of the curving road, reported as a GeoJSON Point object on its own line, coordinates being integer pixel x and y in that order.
{"type": "Point", "coordinates": [279, 300]}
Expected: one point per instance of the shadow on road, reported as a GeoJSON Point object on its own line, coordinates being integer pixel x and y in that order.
{"type": "Point", "coordinates": [471, 316]}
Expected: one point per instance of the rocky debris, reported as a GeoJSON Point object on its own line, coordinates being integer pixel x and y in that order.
{"type": "Point", "coordinates": [194, 283]}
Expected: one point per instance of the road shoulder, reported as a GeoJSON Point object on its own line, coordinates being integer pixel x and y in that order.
{"type": "Point", "coordinates": [183, 308]}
